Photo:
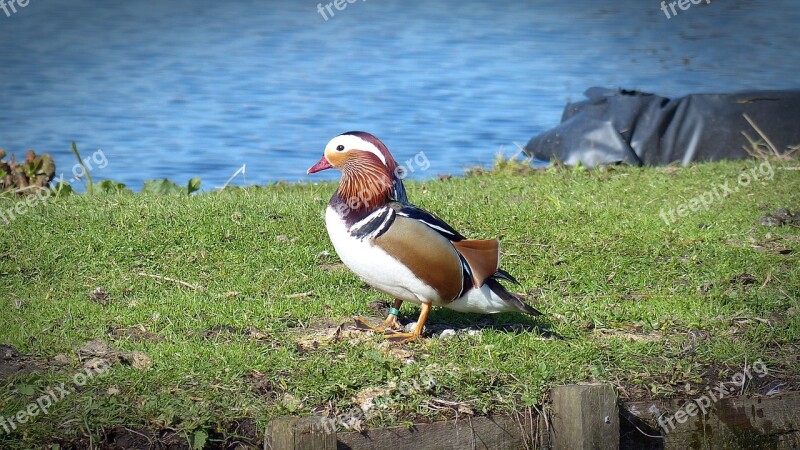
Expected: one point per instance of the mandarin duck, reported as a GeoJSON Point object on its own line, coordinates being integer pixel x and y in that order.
{"type": "Point", "coordinates": [402, 250]}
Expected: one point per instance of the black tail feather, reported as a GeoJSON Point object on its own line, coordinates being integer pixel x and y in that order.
{"type": "Point", "coordinates": [512, 299]}
{"type": "Point", "coordinates": [503, 275]}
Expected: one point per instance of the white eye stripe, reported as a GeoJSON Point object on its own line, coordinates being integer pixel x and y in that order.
{"type": "Point", "coordinates": [350, 141]}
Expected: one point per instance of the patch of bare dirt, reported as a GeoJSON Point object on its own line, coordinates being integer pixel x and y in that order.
{"type": "Point", "coordinates": [775, 243]}
{"type": "Point", "coordinates": [315, 338]}
{"type": "Point", "coordinates": [264, 385]}
{"type": "Point", "coordinates": [98, 353]}
{"type": "Point", "coordinates": [100, 296]}
{"type": "Point", "coordinates": [134, 334]}
{"type": "Point", "coordinates": [333, 267]}
{"type": "Point", "coordinates": [12, 363]}
{"type": "Point", "coordinates": [222, 331]}
{"type": "Point", "coordinates": [632, 335]}
{"type": "Point", "coordinates": [780, 218]}
{"type": "Point", "coordinates": [240, 434]}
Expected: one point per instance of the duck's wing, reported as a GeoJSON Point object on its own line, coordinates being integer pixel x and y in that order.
{"type": "Point", "coordinates": [431, 257]}
{"type": "Point", "coordinates": [421, 232]}
{"type": "Point", "coordinates": [481, 257]}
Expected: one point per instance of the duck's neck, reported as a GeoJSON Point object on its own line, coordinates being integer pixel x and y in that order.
{"type": "Point", "coordinates": [366, 185]}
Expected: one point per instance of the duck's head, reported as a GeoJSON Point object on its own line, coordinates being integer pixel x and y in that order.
{"type": "Point", "coordinates": [369, 172]}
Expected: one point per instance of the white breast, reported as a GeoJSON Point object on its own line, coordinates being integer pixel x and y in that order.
{"type": "Point", "coordinates": [376, 267]}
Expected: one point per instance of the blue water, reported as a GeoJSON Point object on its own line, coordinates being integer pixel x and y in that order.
{"type": "Point", "coordinates": [186, 88]}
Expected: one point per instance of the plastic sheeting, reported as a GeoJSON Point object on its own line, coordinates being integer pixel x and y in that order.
{"type": "Point", "coordinates": [614, 126]}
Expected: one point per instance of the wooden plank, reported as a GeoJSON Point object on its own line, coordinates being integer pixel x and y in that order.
{"type": "Point", "coordinates": [727, 423]}
{"type": "Point", "coordinates": [490, 433]}
{"type": "Point", "coordinates": [585, 417]}
{"type": "Point", "coordinates": [300, 433]}
{"type": "Point", "coordinates": [736, 422]}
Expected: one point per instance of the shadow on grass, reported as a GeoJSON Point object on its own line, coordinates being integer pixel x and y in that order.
{"type": "Point", "coordinates": [440, 320]}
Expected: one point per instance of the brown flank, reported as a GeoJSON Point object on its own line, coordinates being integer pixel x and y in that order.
{"type": "Point", "coordinates": [430, 256]}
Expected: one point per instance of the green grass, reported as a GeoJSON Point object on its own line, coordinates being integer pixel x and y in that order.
{"type": "Point", "coordinates": [627, 298]}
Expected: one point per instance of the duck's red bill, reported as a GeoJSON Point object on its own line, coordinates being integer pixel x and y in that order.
{"type": "Point", "coordinates": [321, 165]}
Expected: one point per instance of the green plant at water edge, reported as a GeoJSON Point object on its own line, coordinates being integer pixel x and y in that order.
{"type": "Point", "coordinates": [86, 172]}
{"type": "Point", "coordinates": [28, 177]}
{"type": "Point", "coordinates": [168, 187]}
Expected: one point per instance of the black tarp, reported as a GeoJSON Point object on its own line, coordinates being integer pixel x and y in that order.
{"type": "Point", "coordinates": [614, 126]}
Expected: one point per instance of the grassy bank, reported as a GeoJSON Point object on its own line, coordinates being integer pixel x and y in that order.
{"type": "Point", "coordinates": [234, 301]}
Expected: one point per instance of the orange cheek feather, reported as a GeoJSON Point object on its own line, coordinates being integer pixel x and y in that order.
{"type": "Point", "coordinates": [337, 159]}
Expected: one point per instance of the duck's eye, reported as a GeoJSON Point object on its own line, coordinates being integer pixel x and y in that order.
{"type": "Point", "coordinates": [340, 148]}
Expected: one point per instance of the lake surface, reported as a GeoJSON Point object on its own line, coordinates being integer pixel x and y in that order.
{"type": "Point", "coordinates": [198, 88]}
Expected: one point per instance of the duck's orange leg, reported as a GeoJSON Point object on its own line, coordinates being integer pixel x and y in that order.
{"type": "Point", "coordinates": [390, 324]}
{"type": "Point", "coordinates": [403, 338]}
